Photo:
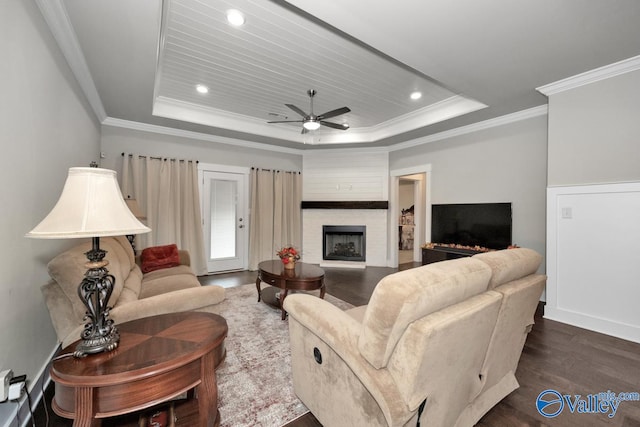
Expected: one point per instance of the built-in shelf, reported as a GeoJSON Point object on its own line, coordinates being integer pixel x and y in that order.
{"type": "Point", "coordinates": [356, 204]}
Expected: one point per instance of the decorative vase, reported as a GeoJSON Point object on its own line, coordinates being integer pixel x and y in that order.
{"type": "Point", "coordinates": [291, 265]}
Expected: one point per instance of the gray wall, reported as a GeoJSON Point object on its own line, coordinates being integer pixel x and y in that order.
{"type": "Point", "coordinates": [45, 128]}
{"type": "Point", "coordinates": [594, 131]}
{"type": "Point", "coordinates": [117, 140]}
{"type": "Point", "coordinates": [594, 204]}
{"type": "Point", "coordinates": [500, 164]}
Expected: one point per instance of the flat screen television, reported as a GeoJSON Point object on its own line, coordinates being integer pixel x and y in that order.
{"type": "Point", "coordinates": [472, 224]}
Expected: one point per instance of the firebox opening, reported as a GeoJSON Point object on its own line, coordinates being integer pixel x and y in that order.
{"type": "Point", "coordinates": [344, 242]}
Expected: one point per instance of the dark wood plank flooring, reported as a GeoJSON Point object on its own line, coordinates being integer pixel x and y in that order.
{"type": "Point", "coordinates": [556, 356]}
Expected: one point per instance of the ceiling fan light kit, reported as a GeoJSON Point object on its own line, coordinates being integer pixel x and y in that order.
{"type": "Point", "coordinates": [311, 125]}
{"type": "Point", "coordinates": [312, 122]}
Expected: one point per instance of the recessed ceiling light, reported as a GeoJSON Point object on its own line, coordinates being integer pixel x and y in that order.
{"type": "Point", "coordinates": [235, 17]}
{"type": "Point", "coordinates": [415, 95]}
{"type": "Point", "coordinates": [202, 89]}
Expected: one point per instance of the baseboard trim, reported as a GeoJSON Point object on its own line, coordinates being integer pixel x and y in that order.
{"type": "Point", "coordinates": [593, 323]}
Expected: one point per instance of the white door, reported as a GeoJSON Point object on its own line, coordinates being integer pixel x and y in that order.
{"type": "Point", "coordinates": [225, 226]}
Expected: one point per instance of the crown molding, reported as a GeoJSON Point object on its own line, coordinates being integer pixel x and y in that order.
{"type": "Point", "coordinates": [163, 130]}
{"type": "Point", "coordinates": [592, 76]}
{"type": "Point", "coordinates": [358, 150]}
{"type": "Point", "coordinates": [446, 109]}
{"type": "Point", "coordinates": [194, 113]}
{"type": "Point", "coordinates": [475, 127]}
{"type": "Point", "coordinates": [56, 17]}
{"type": "Point", "coordinates": [449, 108]}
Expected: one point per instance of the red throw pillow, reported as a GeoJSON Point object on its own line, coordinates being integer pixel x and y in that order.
{"type": "Point", "coordinates": [157, 257]}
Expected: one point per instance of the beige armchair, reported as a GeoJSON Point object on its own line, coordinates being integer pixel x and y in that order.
{"type": "Point", "coordinates": [440, 342]}
{"type": "Point", "coordinates": [135, 295]}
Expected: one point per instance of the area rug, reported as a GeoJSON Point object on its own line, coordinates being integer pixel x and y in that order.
{"type": "Point", "coordinates": [254, 382]}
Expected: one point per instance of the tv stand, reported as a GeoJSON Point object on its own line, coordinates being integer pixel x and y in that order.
{"type": "Point", "coordinates": [443, 253]}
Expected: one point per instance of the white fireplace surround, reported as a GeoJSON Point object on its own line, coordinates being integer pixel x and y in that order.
{"type": "Point", "coordinates": [374, 219]}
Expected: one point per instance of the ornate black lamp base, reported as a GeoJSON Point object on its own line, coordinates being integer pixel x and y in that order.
{"type": "Point", "coordinates": [97, 345]}
{"type": "Point", "coordinates": [132, 240]}
{"type": "Point", "coordinates": [99, 334]}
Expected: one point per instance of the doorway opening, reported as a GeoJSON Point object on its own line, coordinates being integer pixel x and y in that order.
{"type": "Point", "coordinates": [406, 223]}
{"type": "Point", "coordinates": [409, 214]}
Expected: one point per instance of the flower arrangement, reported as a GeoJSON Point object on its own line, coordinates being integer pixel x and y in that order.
{"type": "Point", "coordinates": [288, 254]}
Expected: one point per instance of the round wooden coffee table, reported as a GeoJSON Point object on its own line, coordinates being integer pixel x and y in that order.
{"type": "Point", "coordinates": [158, 359]}
{"type": "Point", "coordinates": [305, 277]}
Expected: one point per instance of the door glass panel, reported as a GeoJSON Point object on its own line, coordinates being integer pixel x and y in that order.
{"type": "Point", "coordinates": [223, 211]}
{"type": "Point", "coordinates": [223, 219]}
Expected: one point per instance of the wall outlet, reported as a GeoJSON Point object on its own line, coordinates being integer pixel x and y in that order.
{"type": "Point", "coordinates": [5, 378]}
{"type": "Point", "coordinates": [15, 390]}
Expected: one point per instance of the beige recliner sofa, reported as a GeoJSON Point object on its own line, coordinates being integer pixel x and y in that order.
{"type": "Point", "coordinates": [439, 342]}
{"type": "Point", "coordinates": [135, 295]}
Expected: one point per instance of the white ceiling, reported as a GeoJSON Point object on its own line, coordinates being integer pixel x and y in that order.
{"type": "Point", "coordinates": [139, 61]}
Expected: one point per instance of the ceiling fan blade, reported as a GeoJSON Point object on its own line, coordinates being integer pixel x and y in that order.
{"type": "Point", "coordinates": [286, 121]}
{"type": "Point", "coordinates": [334, 125]}
{"type": "Point", "coordinates": [334, 113]}
{"type": "Point", "coordinates": [297, 110]}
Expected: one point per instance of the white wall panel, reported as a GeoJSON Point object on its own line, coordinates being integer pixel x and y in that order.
{"type": "Point", "coordinates": [595, 231]}
{"type": "Point", "coordinates": [345, 175]}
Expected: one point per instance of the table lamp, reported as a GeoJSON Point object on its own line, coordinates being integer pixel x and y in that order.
{"type": "Point", "coordinates": [91, 205]}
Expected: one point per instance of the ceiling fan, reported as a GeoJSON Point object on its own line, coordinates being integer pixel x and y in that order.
{"type": "Point", "coordinates": [312, 122]}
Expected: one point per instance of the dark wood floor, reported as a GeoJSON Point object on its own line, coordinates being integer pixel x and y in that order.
{"type": "Point", "coordinates": [556, 356]}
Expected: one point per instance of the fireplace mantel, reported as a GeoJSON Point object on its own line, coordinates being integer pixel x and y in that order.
{"type": "Point", "coordinates": [355, 204]}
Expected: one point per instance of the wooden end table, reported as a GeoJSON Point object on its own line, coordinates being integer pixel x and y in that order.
{"type": "Point", "coordinates": [159, 358]}
{"type": "Point", "coordinates": [305, 277]}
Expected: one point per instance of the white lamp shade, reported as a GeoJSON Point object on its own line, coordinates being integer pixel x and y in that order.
{"type": "Point", "coordinates": [91, 205]}
{"type": "Point", "coordinates": [134, 207]}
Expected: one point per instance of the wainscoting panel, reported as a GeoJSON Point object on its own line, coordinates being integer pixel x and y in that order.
{"type": "Point", "coordinates": [593, 258]}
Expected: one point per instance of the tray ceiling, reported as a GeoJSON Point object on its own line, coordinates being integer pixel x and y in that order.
{"type": "Point", "coordinates": [139, 61]}
{"type": "Point", "coordinates": [252, 71]}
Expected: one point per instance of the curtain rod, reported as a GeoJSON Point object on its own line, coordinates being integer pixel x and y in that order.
{"type": "Point", "coordinates": [274, 170]}
{"type": "Point", "coordinates": [161, 158]}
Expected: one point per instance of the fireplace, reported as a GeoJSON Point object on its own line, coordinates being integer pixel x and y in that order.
{"type": "Point", "coordinates": [344, 242]}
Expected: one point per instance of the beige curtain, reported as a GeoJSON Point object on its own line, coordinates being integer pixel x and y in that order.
{"type": "Point", "coordinates": [276, 219]}
{"type": "Point", "coordinates": [167, 192]}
